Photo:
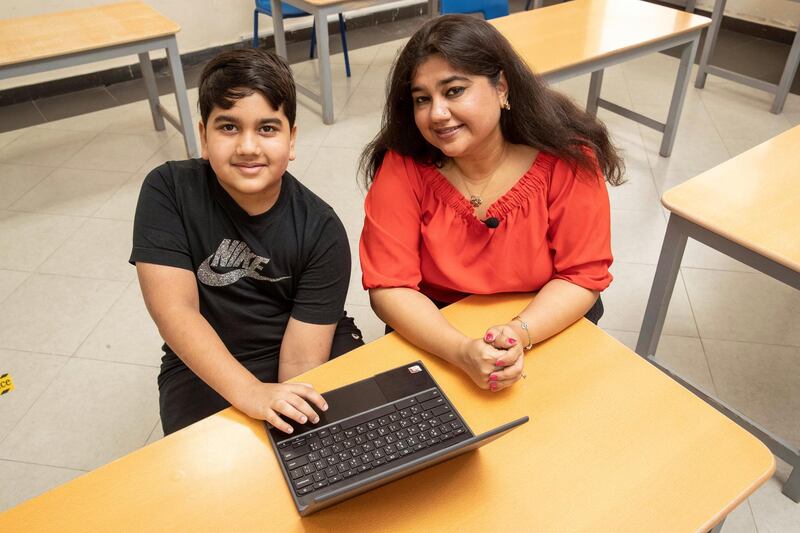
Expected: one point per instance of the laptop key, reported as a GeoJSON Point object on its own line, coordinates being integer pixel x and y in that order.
{"type": "Point", "coordinates": [447, 418]}
{"type": "Point", "coordinates": [405, 451]}
{"type": "Point", "coordinates": [293, 453]}
{"type": "Point", "coordinates": [321, 465]}
{"type": "Point", "coordinates": [305, 490]}
{"type": "Point", "coordinates": [335, 479]}
{"type": "Point", "coordinates": [349, 473]}
{"type": "Point", "coordinates": [313, 456]}
{"type": "Point", "coordinates": [297, 473]}
{"type": "Point", "coordinates": [324, 433]}
{"type": "Point", "coordinates": [296, 462]}
{"type": "Point", "coordinates": [302, 482]}
{"type": "Point", "coordinates": [318, 476]}
{"type": "Point", "coordinates": [331, 471]}
{"type": "Point", "coordinates": [309, 469]}
{"type": "Point", "coordinates": [350, 433]}
{"type": "Point", "coordinates": [404, 404]}
{"type": "Point", "coordinates": [378, 462]}
{"type": "Point", "coordinates": [320, 484]}
{"type": "Point", "coordinates": [335, 429]}
{"type": "Point", "coordinates": [442, 409]}
{"type": "Point", "coordinates": [425, 396]}
{"type": "Point", "coordinates": [365, 467]}
{"type": "Point", "coordinates": [392, 457]}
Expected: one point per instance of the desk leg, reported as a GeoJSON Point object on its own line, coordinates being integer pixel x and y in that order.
{"type": "Point", "coordinates": [792, 487]}
{"type": "Point", "coordinates": [690, 6]}
{"type": "Point", "coordinates": [678, 96]}
{"type": "Point", "coordinates": [277, 25]}
{"type": "Point", "coordinates": [187, 128]}
{"type": "Point", "coordinates": [152, 90]}
{"type": "Point", "coordinates": [595, 84]}
{"type": "Point", "coordinates": [711, 40]}
{"type": "Point", "coordinates": [788, 75]}
{"type": "Point", "coordinates": [433, 8]}
{"type": "Point", "coordinates": [324, 59]}
{"type": "Point", "coordinates": [669, 263]}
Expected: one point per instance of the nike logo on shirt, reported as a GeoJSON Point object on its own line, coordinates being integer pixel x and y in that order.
{"type": "Point", "coordinates": [233, 254]}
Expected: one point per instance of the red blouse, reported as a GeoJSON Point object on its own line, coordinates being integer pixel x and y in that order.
{"type": "Point", "coordinates": [421, 233]}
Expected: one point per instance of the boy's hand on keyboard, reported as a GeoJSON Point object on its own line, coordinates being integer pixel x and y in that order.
{"type": "Point", "coordinates": [271, 401]}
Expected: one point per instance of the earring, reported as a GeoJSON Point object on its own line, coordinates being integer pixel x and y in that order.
{"type": "Point", "coordinates": [506, 105]}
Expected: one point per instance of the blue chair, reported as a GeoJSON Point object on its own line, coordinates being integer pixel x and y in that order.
{"type": "Point", "coordinates": [264, 7]}
{"type": "Point", "coordinates": [491, 9]}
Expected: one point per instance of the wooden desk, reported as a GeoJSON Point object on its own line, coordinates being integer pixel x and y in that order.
{"type": "Point", "coordinates": [746, 208]}
{"type": "Point", "coordinates": [57, 40]}
{"type": "Point", "coordinates": [320, 9]}
{"type": "Point", "coordinates": [612, 445]}
{"type": "Point", "coordinates": [583, 36]}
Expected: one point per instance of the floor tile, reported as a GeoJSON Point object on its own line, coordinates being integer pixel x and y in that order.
{"type": "Point", "coordinates": [16, 180]}
{"type": "Point", "coordinates": [737, 113]}
{"type": "Point", "coordinates": [774, 512]}
{"type": "Point", "coordinates": [32, 374]}
{"type": "Point", "coordinates": [761, 381]}
{"type": "Point", "coordinates": [23, 481]}
{"type": "Point", "coordinates": [50, 148]}
{"type": "Point", "coordinates": [69, 191]}
{"type": "Point", "coordinates": [7, 136]}
{"type": "Point", "coordinates": [22, 115]}
{"type": "Point", "coordinates": [10, 280]}
{"type": "Point", "coordinates": [75, 103]}
{"type": "Point", "coordinates": [626, 298]}
{"type": "Point", "coordinates": [304, 155]}
{"type": "Point", "coordinates": [27, 239]}
{"type": "Point", "coordinates": [99, 249]}
{"type": "Point", "coordinates": [353, 131]}
{"type": "Point", "coordinates": [115, 151]}
{"type": "Point", "coordinates": [636, 236]}
{"type": "Point", "coordinates": [122, 204]}
{"type": "Point", "coordinates": [741, 306]}
{"type": "Point", "coordinates": [740, 520]}
{"type": "Point", "coordinates": [126, 334]}
{"type": "Point", "coordinates": [72, 425]}
{"type": "Point", "coordinates": [698, 255]}
{"type": "Point", "coordinates": [637, 192]}
{"type": "Point", "coordinates": [54, 314]}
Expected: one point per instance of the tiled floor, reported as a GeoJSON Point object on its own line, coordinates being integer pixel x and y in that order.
{"type": "Point", "coordinates": [84, 354]}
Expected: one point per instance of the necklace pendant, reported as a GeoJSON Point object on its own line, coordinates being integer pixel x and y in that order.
{"type": "Point", "coordinates": [476, 201]}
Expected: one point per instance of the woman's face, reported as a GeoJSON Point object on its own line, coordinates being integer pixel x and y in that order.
{"type": "Point", "coordinates": [456, 112]}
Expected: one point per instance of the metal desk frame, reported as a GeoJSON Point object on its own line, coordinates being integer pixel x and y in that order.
{"type": "Point", "coordinates": [320, 13]}
{"type": "Point", "coordinates": [141, 48]}
{"type": "Point", "coordinates": [780, 89]}
{"type": "Point", "coordinates": [687, 42]}
{"type": "Point", "coordinates": [679, 230]}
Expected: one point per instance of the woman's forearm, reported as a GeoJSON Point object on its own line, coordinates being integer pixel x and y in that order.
{"type": "Point", "coordinates": [556, 306]}
{"type": "Point", "coordinates": [414, 316]}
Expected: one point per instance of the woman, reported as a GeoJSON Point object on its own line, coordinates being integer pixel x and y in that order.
{"type": "Point", "coordinates": [482, 181]}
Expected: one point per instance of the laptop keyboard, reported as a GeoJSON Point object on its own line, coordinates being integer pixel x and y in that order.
{"type": "Point", "coordinates": [331, 454]}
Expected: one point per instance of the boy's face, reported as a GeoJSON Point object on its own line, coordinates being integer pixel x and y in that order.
{"type": "Point", "coordinates": [249, 147]}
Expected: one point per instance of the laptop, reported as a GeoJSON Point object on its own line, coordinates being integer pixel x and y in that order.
{"type": "Point", "coordinates": [374, 431]}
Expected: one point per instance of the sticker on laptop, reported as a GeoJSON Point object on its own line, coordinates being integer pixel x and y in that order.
{"type": "Point", "coordinates": [6, 384]}
{"type": "Point", "coordinates": [415, 369]}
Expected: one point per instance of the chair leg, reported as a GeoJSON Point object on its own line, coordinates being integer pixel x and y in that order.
{"type": "Point", "coordinates": [342, 29]}
{"type": "Point", "coordinates": [255, 28]}
{"type": "Point", "coordinates": [313, 40]}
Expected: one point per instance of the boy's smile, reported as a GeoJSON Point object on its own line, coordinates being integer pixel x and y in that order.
{"type": "Point", "coordinates": [249, 147]}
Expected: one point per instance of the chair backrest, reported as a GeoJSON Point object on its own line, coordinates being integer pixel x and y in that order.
{"type": "Point", "coordinates": [265, 6]}
{"type": "Point", "coordinates": [490, 8]}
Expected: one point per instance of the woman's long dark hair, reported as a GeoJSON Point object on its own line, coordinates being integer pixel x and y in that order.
{"type": "Point", "coordinates": [539, 117]}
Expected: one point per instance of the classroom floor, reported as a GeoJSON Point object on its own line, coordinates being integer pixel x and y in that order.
{"type": "Point", "coordinates": [84, 354]}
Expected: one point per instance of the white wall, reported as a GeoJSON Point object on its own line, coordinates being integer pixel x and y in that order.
{"type": "Point", "coordinates": [208, 23]}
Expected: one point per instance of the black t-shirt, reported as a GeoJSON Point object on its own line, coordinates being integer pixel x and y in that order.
{"type": "Point", "coordinates": [253, 272]}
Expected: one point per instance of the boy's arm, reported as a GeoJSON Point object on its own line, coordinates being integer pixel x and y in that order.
{"type": "Point", "coordinates": [304, 347]}
{"type": "Point", "coordinates": [172, 299]}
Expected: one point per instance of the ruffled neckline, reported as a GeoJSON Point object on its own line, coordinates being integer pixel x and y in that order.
{"type": "Point", "coordinates": [532, 181]}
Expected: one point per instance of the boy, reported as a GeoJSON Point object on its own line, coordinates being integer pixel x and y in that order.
{"type": "Point", "coordinates": [243, 269]}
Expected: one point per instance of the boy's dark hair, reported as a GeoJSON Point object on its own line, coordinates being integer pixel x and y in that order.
{"type": "Point", "coordinates": [236, 74]}
{"type": "Point", "coordinates": [540, 117]}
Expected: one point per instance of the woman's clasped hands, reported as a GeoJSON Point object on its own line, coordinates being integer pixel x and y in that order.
{"type": "Point", "coordinates": [496, 361]}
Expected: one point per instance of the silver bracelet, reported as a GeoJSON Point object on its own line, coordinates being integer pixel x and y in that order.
{"type": "Point", "coordinates": [524, 326]}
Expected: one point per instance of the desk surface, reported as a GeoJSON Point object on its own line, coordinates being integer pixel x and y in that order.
{"type": "Point", "coordinates": [568, 34]}
{"type": "Point", "coordinates": [613, 445]}
{"type": "Point", "coordinates": [79, 30]}
{"type": "Point", "coordinates": [752, 199]}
